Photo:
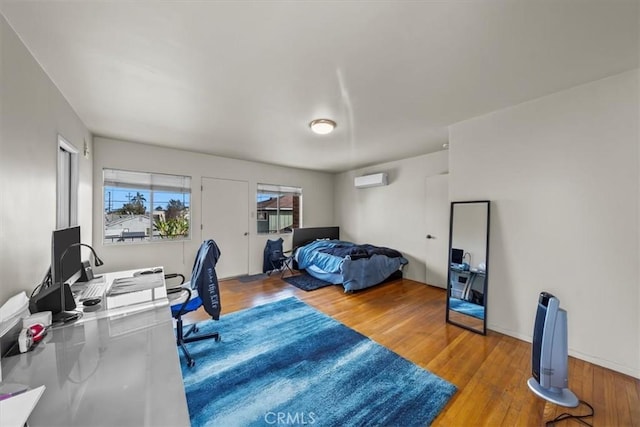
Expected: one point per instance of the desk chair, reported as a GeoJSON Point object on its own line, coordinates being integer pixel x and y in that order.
{"type": "Point", "coordinates": [201, 291]}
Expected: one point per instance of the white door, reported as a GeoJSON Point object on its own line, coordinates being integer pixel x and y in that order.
{"type": "Point", "coordinates": [437, 237]}
{"type": "Point", "coordinates": [225, 219]}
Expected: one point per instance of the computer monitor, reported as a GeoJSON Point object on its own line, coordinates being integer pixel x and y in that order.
{"type": "Point", "coordinates": [457, 255]}
{"type": "Point", "coordinates": [65, 245]}
{"type": "Point", "coordinates": [70, 270]}
{"type": "Point", "coordinates": [66, 269]}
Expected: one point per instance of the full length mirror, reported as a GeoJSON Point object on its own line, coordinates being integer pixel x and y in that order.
{"type": "Point", "coordinates": [468, 265]}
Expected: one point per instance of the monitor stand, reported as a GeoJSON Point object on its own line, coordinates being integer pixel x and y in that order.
{"type": "Point", "coordinates": [65, 317]}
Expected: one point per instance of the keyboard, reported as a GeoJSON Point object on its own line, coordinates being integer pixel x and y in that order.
{"type": "Point", "coordinates": [92, 290]}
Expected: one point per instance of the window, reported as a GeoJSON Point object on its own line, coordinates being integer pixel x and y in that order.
{"type": "Point", "coordinates": [142, 207]}
{"type": "Point", "coordinates": [279, 208]}
{"type": "Point", "coordinates": [67, 184]}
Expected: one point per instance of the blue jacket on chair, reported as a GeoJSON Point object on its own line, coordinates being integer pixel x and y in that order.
{"type": "Point", "coordinates": [204, 278]}
{"type": "Point", "coordinates": [204, 281]}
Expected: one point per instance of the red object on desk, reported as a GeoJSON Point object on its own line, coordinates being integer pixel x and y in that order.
{"type": "Point", "coordinates": [38, 331]}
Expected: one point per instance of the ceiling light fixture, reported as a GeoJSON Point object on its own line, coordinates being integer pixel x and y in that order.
{"type": "Point", "coordinates": [322, 126]}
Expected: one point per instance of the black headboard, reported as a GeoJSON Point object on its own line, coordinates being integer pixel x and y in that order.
{"type": "Point", "coordinates": [302, 236]}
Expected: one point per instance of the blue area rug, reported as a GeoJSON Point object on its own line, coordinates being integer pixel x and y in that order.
{"type": "Point", "coordinates": [306, 282]}
{"type": "Point", "coordinates": [466, 307]}
{"type": "Point", "coordinates": [287, 363]}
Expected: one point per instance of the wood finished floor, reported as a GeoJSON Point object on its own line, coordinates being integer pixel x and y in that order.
{"type": "Point", "coordinates": [490, 371]}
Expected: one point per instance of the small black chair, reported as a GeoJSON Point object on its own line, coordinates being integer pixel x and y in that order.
{"type": "Point", "coordinates": [275, 258]}
{"type": "Point", "coordinates": [201, 291]}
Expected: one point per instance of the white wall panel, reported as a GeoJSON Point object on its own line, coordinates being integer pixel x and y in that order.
{"type": "Point", "coordinates": [33, 113]}
{"type": "Point", "coordinates": [393, 215]}
{"type": "Point", "coordinates": [562, 172]}
{"type": "Point", "coordinates": [178, 256]}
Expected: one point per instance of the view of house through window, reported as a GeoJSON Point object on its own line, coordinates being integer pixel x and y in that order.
{"type": "Point", "coordinates": [140, 206]}
{"type": "Point", "coordinates": [279, 208]}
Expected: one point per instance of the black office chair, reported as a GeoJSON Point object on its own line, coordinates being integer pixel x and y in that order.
{"type": "Point", "coordinates": [275, 258]}
{"type": "Point", "coordinates": [201, 291]}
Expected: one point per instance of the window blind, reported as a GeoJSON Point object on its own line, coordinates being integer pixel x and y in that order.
{"type": "Point", "coordinates": [144, 180]}
{"type": "Point", "coordinates": [270, 188]}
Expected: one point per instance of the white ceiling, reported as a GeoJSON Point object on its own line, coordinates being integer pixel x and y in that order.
{"type": "Point", "coordinates": [243, 79]}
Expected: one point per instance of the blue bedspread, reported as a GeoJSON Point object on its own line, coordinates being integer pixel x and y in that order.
{"type": "Point", "coordinates": [357, 272]}
{"type": "Point", "coordinates": [354, 251]}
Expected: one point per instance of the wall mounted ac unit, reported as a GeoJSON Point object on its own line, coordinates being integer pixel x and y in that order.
{"type": "Point", "coordinates": [374, 180]}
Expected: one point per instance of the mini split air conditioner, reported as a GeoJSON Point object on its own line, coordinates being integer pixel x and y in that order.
{"type": "Point", "coordinates": [374, 180]}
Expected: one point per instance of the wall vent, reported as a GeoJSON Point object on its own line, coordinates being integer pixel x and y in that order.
{"type": "Point", "coordinates": [373, 180]}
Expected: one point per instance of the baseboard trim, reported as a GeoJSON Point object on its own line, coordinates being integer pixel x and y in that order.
{"type": "Point", "coordinates": [627, 370]}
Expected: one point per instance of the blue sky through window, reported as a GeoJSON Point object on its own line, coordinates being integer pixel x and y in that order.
{"type": "Point", "coordinates": [262, 197]}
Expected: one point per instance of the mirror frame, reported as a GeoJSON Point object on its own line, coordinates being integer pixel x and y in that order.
{"type": "Point", "coordinates": [482, 331]}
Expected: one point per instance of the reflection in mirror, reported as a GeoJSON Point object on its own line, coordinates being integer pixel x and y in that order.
{"type": "Point", "coordinates": [468, 265]}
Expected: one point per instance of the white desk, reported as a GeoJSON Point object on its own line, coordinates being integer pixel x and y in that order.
{"type": "Point", "coordinates": [100, 311]}
{"type": "Point", "coordinates": [112, 368]}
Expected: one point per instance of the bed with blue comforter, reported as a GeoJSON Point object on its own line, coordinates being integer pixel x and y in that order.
{"type": "Point", "coordinates": [355, 266]}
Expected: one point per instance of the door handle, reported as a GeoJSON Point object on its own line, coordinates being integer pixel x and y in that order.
{"type": "Point", "coordinates": [429, 236]}
{"type": "Point", "coordinates": [246, 233]}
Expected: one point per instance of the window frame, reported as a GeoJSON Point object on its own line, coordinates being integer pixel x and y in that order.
{"type": "Point", "coordinates": [262, 216]}
{"type": "Point", "coordinates": [158, 182]}
{"type": "Point", "coordinates": [67, 183]}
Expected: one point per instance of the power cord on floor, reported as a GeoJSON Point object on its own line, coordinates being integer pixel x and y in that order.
{"type": "Point", "coordinates": [567, 416]}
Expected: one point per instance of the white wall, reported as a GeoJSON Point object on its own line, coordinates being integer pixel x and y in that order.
{"type": "Point", "coordinates": [33, 113]}
{"type": "Point", "coordinates": [562, 172]}
{"type": "Point", "coordinates": [394, 215]}
{"type": "Point", "coordinates": [178, 256]}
